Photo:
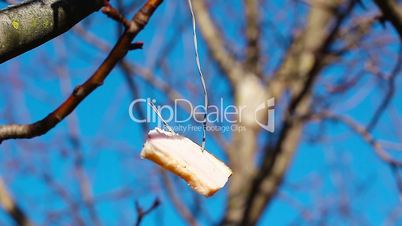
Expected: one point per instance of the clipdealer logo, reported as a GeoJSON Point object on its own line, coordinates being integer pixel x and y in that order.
{"type": "Point", "coordinates": [223, 118]}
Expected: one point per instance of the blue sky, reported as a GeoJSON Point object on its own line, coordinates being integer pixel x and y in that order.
{"type": "Point", "coordinates": [345, 167]}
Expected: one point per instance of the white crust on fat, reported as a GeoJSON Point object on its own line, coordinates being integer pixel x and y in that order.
{"type": "Point", "coordinates": [202, 171]}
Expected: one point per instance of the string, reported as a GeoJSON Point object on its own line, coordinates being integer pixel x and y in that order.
{"type": "Point", "coordinates": [160, 116]}
{"type": "Point", "coordinates": [204, 87]}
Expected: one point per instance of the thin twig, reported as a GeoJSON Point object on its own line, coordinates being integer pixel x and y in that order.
{"type": "Point", "coordinates": [113, 13]}
{"type": "Point", "coordinates": [142, 213]}
{"type": "Point", "coordinates": [360, 130]}
{"type": "Point", "coordinates": [390, 93]}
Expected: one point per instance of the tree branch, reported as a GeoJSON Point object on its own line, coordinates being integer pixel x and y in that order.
{"type": "Point", "coordinates": [253, 61]}
{"type": "Point", "coordinates": [392, 12]}
{"type": "Point", "coordinates": [361, 131]}
{"type": "Point", "coordinates": [324, 21]}
{"type": "Point", "coordinates": [121, 48]}
{"type": "Point", "coordinates": [141, 213]}
{"type": "Point", "coordinates": [11, 208]}
{"type": "Point", "coordinates": [391, 83]}
{"type": "Point", "coordinates": [182, 209]}
{"type": "Point", "coordinates": [30, 24]}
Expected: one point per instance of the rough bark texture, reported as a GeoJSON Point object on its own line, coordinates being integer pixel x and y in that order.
{"type": "Point", "coordinates": [28, 25]}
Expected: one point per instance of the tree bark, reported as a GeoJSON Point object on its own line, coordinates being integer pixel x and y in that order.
{"type": "Point", "coordinates": [30, 24]}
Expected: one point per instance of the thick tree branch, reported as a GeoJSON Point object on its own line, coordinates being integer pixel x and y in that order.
{"type": "Point", "coordinates": [30, 24]}
{"type": "Point", "coordinates": [302, 66]}
{"type": "Point", "coordinates": [121, 48]}
{"type": "Point", "coordinates": [392, 12]}
{"type": "Point", "coordinates": [245, 202]}
{"type": "Point", "coordinates": [299, 61]}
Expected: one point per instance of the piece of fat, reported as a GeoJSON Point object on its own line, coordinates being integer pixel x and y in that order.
{"type": "Point", "coordinates": [201, 170]}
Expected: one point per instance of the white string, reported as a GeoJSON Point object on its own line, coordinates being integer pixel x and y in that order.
{"type": "Point", "coordinates": [197, 58]}
{"type": "Point", "coordinates": [160, 116]}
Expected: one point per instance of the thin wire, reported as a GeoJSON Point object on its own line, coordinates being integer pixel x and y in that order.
{"type": "Point", "coordinates": [160, 116]}
{"type": "Point", "coordinates": [204, 87]}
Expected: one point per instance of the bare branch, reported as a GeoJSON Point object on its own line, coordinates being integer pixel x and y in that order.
{"type": "Point", "coordinates": [253, 61]}
{"type": "Point", "coordinates": [363, 132]}
{"type": "Point", "coordinates": [30, 24]}
{"type": "Point", "coordinates": [393, 12]}
{"type": "Point", "coordinates": [390, 92]}
{"type": "Point", "coordinates": [113, 13]}
{"type": "Point", "coordinates": [142, 213]}
{"type": "Point", "coordinates": [118, 52]}
{"type": "Point", "coordinates": [179, 205]}
{"type": "Point", "coordinates": [76, 144]}
{"type": "Point", "coordinates": [130, 70]}
{"type": "Point", "coordinates": [11, 208]}
{"type": "Point", "coordinates": [308, 61]}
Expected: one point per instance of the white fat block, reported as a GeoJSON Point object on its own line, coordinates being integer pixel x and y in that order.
{"type": "Point", "coordinates": [201, 170]}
